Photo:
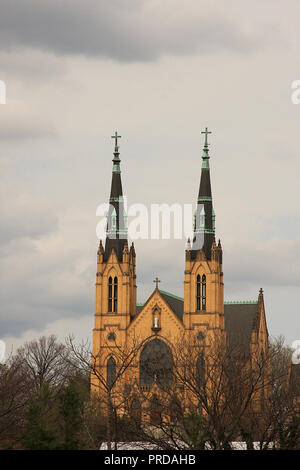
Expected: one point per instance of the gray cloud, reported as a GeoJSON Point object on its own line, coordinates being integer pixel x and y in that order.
{"type": "Point", "coordinates": [23, 217]}
{"type": "Point", "coordinates": [30, 65]}
{"type": "Point", "coordinates": [252, 264]}
{"type": "Point", "coordinates": [125, 31]}
{"type": "Point", "coordinates": [19, 121]}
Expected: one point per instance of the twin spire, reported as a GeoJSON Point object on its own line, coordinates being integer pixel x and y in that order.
{"type": "Point", "coordinates": [204, 222]}
{"type": "Point", "coordinates": [116, 229]}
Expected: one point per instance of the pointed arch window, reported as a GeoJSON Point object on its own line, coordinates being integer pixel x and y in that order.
{"type": "Point", "coordinates": [111, 372]}
{"type": "Point", "coordinates": [198, 292]}
{"type": "Point", "coordinates": [200, 370]}
{"type": "Point", "coordinates": [110, 294]}
{"type": "Point", "coordinates": [202, 218]}
{"type": "Point", "coordinates": [113, 294]}
{"type": "Point", "coordinates": [114, 220]}
{"type": "Point", "coordinates": [156, 363]}
{"type": "Point", "coordinates": [203, 292]}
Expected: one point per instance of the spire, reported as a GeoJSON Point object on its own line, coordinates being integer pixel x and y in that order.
{"type": "Point", "coordinates": [204, 225]}
{"type": "Point", "coordinates": [116, 230]}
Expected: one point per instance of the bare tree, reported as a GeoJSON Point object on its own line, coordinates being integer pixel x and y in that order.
{"type": "Point", "coordinates": [109, 380]}
{"type": "Point", "coordinates": [218, 394]}
{"type": "Point", "coordinates": [279, 422]}
{"type": "Point", "coordinates": [45, 361]}
{"type": "Point", "coordinates": [14, 395]}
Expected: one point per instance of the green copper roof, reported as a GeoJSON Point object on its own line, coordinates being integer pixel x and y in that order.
{"type": "Point", "coordinates": [205, 163]}
{"type": "Point", "coordinates": [171, 295]}
{"type": "Point", "coordinates": [116, 168]}
{"type": "Point", "coordinates": [227, 302]}
{"type": "Point", "coordinates": [163, 292]}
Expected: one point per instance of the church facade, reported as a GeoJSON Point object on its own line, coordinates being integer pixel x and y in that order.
{"type": "Point", "coordinates": [164, 318]}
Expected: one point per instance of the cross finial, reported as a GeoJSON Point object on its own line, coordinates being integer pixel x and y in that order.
{"type": "Point", "coordinates": [116, 137]}
{"type": "Point", "coordinates": [206, 132]}
{"type": "Point", "coordinates": [156, 280]}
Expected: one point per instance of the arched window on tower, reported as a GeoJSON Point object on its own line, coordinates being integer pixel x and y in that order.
{"type": "Point", "coordinates": [111, 370]}
{"type": "Point", "coordinates": [115, 294]}
{"type": "Point", "coordinates": [110, 294]}
{"type": "Point", "coordinates": [198, 295]}
{"type": "Point", "coordinates": [203, 292]}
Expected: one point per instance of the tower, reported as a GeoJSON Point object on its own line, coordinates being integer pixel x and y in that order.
{"type": "Point", "coordinates": [116, 269]}
{"type": "Point", "coordinates": [203, 278]}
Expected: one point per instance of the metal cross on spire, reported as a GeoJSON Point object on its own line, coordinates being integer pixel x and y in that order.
{"type": "Point", "coordinates": [116, 137]}
{"type": "Point", "coordinates": [206, 132]}
{"type": "Point", "coordinates": [156, 280]}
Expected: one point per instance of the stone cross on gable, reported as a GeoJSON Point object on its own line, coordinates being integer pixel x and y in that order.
{"type": "Point", "coordinates": [156, 280]}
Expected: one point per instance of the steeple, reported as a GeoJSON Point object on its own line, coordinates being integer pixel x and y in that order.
{"type": "Point", "coordinates": [116, 230]}
{"type": "Point", "coordinates": [204, 222]}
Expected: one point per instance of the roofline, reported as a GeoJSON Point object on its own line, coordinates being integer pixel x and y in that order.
{"type": "Point", "coordinates": [226, 302]}
{"type": "Point", "coordinates": [171, 295]}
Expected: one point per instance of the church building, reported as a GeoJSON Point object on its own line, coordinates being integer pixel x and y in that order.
{"type": "Point", "coordinates": [165, 317]}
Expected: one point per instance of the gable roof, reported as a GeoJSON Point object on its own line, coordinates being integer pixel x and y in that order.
{"type": "Point", "coordinates": [175, 303]}
{"type": "Point", "coordinates": [240, 319]}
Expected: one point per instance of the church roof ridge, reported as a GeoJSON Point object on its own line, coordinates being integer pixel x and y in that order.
{"type": "Point", "coordinates": [227, 302]}
{"type": "Point", "coordinates": [171, 295]}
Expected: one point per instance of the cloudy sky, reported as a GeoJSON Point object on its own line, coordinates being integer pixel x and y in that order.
{"type": "Point", "coordinates": [158, 72]}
